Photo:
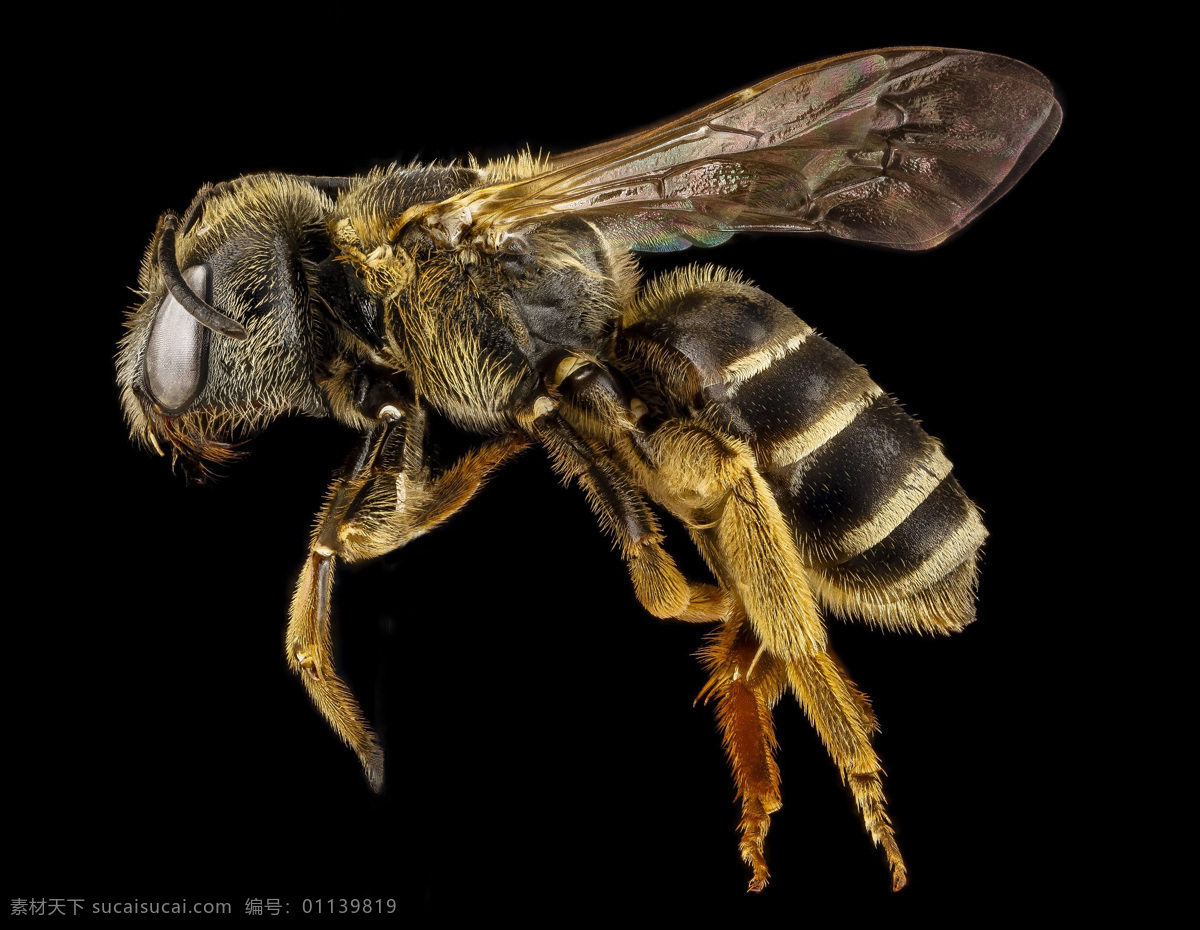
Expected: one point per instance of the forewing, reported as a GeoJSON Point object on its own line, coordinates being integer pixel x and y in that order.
{"type": "Point", "coordinates": [900, 147]}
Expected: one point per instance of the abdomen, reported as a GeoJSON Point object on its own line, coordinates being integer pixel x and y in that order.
{"type": "Point", "coordinates": [879, 521]}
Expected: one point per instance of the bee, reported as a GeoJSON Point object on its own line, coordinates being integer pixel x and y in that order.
{"type": "Point", "coordinates": [504, 299]}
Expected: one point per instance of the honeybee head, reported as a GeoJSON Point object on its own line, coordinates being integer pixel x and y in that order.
{"type": "Point", "coordinates": [228, 334]}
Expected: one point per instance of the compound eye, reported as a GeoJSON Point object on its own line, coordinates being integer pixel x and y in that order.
{"type": "Point", "coordinates": [176, 352]}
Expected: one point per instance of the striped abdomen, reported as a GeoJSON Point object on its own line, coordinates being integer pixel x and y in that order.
{"type": "Point", "coordinates": [883, 527]}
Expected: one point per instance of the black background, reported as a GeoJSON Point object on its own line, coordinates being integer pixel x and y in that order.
{"type": "Point", "coordinates": [544, 752]}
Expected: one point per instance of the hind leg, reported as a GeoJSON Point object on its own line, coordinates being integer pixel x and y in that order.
{"type": "Point", "coordinates": [715, 486]}
{"type": "Point", "coordinates": [745, 686]}
{"type": "Point", "coordinates": [711, 482]}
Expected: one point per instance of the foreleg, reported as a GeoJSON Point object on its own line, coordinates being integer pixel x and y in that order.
{"type": "Point", "coordinates": [383, 499]}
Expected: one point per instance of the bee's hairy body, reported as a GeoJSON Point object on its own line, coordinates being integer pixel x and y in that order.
{"type": "Point", "coordinates": [505, 298]}
{"type": "Point", "coordinates": [884, 531]}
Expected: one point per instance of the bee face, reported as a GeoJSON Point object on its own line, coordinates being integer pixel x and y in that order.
{"type": "Point", "coordinates": [250, 251]}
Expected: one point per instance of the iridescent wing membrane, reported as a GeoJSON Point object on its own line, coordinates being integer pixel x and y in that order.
{"type": "Point", "coordinates": [898, 147]}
